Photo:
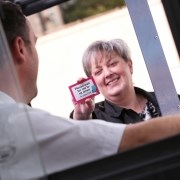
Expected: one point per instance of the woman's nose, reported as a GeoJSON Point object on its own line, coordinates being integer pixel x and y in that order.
{"type": "Point", "coordinates": [107, 72]}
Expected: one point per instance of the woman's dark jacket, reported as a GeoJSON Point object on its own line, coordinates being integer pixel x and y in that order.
{"type": "Point", "coordinates": [109, 112]}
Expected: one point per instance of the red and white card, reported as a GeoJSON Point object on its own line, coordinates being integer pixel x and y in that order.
{"type": "Point", "coordinates": [82, 90]}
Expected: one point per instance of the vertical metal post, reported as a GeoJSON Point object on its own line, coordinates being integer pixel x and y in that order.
{"type": "Point", "coordinates": [154, 56]}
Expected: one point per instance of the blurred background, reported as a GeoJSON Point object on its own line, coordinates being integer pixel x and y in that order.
{"type": "Point", "coordinates": [64, 32]}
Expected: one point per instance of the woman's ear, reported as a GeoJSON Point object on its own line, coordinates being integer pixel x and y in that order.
{"type": "Point", "coordinates": [130, 64]}
{"type": "Point", "coordinates": [18, 50]}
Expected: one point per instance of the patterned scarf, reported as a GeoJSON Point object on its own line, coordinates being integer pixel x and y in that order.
{"type": "Point", "coordinates": [150, 111]}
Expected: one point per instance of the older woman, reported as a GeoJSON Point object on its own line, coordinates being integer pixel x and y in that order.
{"type": "Point", "coordinates": [110, 64]}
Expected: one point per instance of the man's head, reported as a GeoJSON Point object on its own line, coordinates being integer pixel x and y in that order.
{"type": "Point", "coordinates": [22, 41]}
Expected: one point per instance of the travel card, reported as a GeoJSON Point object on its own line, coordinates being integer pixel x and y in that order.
{"type": "Point", "coordinates": [84, 89]}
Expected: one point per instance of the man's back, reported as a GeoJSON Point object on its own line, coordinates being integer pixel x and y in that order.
{"type": "Point", "coordinates": [39, 142]}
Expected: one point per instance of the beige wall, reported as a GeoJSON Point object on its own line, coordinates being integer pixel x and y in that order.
{"type": "Point", "coordinates": [60, 55]}
{"type": "Point", "coordinates": [52, 20]}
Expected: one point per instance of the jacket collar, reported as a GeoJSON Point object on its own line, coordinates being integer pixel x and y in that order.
{"type": "Point", "coordinates": [116, 110]}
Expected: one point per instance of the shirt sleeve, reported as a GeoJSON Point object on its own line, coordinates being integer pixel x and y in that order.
{"type": "Point", "coordinates": [65, 143]}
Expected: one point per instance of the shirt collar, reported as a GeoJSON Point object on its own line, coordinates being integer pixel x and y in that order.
{"type": "Point", "coordinates": [150, 96]}
{"type": "Point", "coordinates": [4, 98]}
{"type": "Point", "coordinates": [116, 111]}
{"type": "Point", "coordinates": [112, 109]}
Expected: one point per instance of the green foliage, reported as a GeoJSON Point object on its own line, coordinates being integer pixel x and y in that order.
{"type": "Point", "coordinates": [79, 9]}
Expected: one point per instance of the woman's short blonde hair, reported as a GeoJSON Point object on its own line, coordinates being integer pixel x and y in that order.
{"type": "Point", "coordinates": [100, 47]}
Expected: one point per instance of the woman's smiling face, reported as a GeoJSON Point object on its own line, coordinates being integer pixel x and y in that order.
{"type": "Point", "coordinates": [112, 74]}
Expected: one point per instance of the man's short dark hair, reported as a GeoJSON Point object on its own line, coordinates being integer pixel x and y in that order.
{"type": "Point", "coordinates": [13, 21]}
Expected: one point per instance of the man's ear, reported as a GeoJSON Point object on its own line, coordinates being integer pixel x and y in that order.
{"type": "Point", "coordinates": [18, 50]}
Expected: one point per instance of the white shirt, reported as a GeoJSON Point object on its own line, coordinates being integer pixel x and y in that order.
{"type": "Point", "coordinates": [34, 142]}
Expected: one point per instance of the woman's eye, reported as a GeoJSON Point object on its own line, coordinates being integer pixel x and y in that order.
{"type": "Point", "coordinates": [97, 72]}
{"type": "Point", "coordinates": [113, 64]}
